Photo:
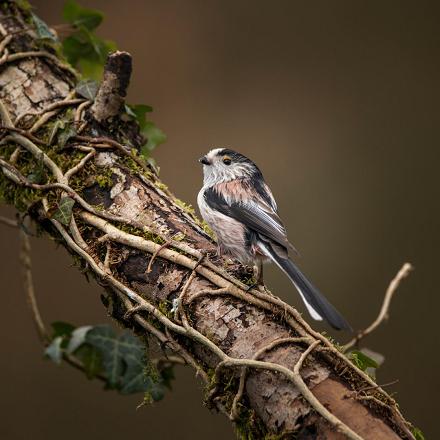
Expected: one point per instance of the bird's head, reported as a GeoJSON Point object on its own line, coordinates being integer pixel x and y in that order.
{"type": "Point", "coordinates": [223, 165]}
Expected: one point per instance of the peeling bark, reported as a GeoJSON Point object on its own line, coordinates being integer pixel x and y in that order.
{"type": "Point", "coordinates": [237, 327]}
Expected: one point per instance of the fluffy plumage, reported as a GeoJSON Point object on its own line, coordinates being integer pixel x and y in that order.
{"type": "Point", "coordinates": [239, 206]}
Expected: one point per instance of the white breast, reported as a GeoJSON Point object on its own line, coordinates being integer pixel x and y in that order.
{"type": "Point", "coordinates": [230, 233]}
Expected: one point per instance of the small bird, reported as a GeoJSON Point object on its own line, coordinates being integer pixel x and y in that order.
{"type": "Point", "coordinates": [239, 207]}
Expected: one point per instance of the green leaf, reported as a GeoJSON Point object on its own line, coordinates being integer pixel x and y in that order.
{"type": "Point", "coordinates": [91, 359]}
{"type": "Point", "coordinates": [75, 48]}
{"type": "Point", "coordinates": [114, 349]}
{"type": "Point", "coordinates": [418, 434]}
{"type": "Point", "coordinates": [64, 212]}
{"type": "Point", "coordinates": [87, 89]}
{"type": "Point", "coordinates": [84, 49]}
{"type": "Point", "coordinates": [155, 389]}
{"type": "Point", "coordinates": [54, 351]}
{"type": "Point", "coordinates": [88, 51]}
{"type": "Point", "coordinates": [362, 361]}
{"type": "Point", "coordinates": [138, 111]}
{"type": "Point", "coordinates": [167, 374]}
{"type": "Point", "coordinates": [61, 328]}
{"type": "Point", "coordinates": [39, 174]}
{"type": "Point", "coordinates": [91, 69]}
{"type": "Point", "coordinates": [377, 357]}
{"type": "Point", "coordinates": [155, 136]}
{"type": "Point", "coordinates": [65, 134]}
{"type": "Point", "coordinates": [76, 15]}
{"type": "Point", "coordinates": [77, 338]}
{"type": "Point", "coordinates": [134, 379]}
{"type": "Point", "coordinates": [125, 363]}
{"type": "Point", "coordinates": [43, 31]}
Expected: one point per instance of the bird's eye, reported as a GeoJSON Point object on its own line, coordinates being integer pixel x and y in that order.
{"type": "Point", "coordinates": [227, 160]}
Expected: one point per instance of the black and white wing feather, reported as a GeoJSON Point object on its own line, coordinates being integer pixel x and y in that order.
{"type": "Point", "coordinates": [257, 212]}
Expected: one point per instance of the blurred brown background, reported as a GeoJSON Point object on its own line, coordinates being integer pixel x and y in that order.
{"type": "Point", "coordinates": [338, 102]}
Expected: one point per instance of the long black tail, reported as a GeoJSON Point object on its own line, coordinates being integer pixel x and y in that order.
{"type": "Point", "coordinates": [318, 307]}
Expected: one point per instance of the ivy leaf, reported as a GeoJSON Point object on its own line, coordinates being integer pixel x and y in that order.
{"type": "Point", "coordinates": [134, 379]}
{"type": "Point", "coordinates": [77, 338]}
{"type": "Point", "coordinates": [87, 89]}
{"type": "Point", "coordinates": [153, 135]}
{"type": "Point", "coordinates": [43, 31]}
{"type": "Point", "coordinates": [65, 134]}
{"type": "Point", "coordinates": [54, 351]}
{"type": "Point", "coordinates": [377, 357]}
{"type": "Point", "coordinates": [78, 16]}
{"type": "Point", "coordinates": [61, 328]}
{"type": "Point", "coordinates": [91, 359]}
{"type": "Point", "coordinates": [83, 48]}
{"type": "Point", "coordinates": [167, 375]}
{"type": "Point", "coordinates": [362, 361]}
{"type": "Point", "coordinates": [64, 212]}
{"type": "Point", "coordinates": [87, 51]}
{"type": "Point", "coordinates": [138, 111]}
{"type": "Point", "coordinates": [154, 389]}
{"type": "Point", "coordinates": [114, 349]}
{"type": "Point", "coordinates": [39, 173]}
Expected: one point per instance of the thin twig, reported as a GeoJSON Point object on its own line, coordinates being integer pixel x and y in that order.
{"type": "Point", "coordinates": [14, 156]}
{"type": "Point", "coordinates": [234, 411]}
{"type": "Point", "coordinates": [153, 257]}
{"type": "Point", "coordinates": [25, 134]}
{"type": "Point", "coordinates": [5, 42]}
{"type": "Point", "coordinates": [8, 222]}
{"type": "Point", "coordinates": [38, 54]}
{"type": "Point", "coordinates": [47, 112]}
{"type": "Point", "coordinates": [56, 105]}
{"type": "Point", "coordinates": [112, 143]}
{"type": "Point", "coordinates": [384, 311]}
{"type": "Point", "coordinates": [80, 165]}
{"type": "Point", "coordinates": [25, 258]}
{"type": "Point", "coordinates": [382, 385]}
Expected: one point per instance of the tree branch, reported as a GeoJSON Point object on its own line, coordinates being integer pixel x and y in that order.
{"type": "Point", "coordinates": [217, 323]}
{"type": "Point", "coordinates": [384, 310]}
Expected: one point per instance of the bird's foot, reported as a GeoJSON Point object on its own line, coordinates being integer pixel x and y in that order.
{"type": "Point", "coordinates": [257, 286]}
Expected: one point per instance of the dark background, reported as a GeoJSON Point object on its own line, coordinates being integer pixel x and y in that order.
{"type": "Point", "coordinates": [338, 102]}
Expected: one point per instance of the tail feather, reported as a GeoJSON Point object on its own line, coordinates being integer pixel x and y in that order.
{"type": "Point", "coordinates": [318, 307]}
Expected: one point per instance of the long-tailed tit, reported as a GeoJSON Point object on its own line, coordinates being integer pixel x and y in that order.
{"type": "Point", "coordinates": [238, 205]}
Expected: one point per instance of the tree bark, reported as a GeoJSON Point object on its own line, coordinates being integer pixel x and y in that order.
{"type": "Point", "coordinates": [149, 253]}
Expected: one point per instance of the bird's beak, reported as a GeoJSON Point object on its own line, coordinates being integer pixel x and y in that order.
{"type": "Point", "coordinates": [204, 160]}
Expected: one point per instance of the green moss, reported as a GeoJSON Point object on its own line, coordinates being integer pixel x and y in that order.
{"type": "Point", "coordinates": [134, 167]}
{"type": "Point", "coordinates": [250, 427]}
{"type": "Point", "coordinates": [191, 211]}
{"type": "Point", "coordinates": [207, 230]}
{"type": "Point", "coordinates": [21, 198]}
{"type": "Point", "coordinates": [136, 231]}
{"type": "Point", "coordinates": [165, 307]}
{"type": "Point", "coordinates": [160, 185]}
{"type": "Point", "coordinates": [24, 5]}
{"type": "Point", "coordinates": [105, 178]}
{"type": "Point", "coordinates": [185, 206]}
{"type": "Point", "coordinates": [180, 236]}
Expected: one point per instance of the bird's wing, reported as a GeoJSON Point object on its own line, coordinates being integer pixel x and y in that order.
{"type": "Point", "coordinates": [255, 212]}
